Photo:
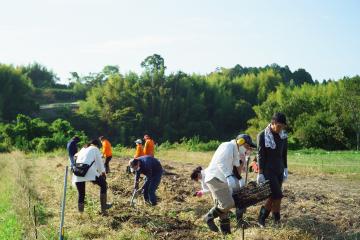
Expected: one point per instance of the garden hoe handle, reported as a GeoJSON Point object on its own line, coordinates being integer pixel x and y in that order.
{"type": "Point", "coordinates": [246, 179]}
{"type": "Point", "coordinates": [133, 198]}
{"type": "Point", "coordinates": [247, 169]}
{"type": "Point", "coordinates": [135, 194]}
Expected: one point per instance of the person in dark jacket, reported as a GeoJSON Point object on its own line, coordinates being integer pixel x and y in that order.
{"type": "Point", "coordinates": [272, 159]}
{"type": "Point", "coordinates": [152, 169]}
{"type": "Point", "coordinates": [72, 149]}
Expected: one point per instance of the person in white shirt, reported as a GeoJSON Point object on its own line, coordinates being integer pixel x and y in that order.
{"type": "Point", "coordinates": [198, 175]}
{"type": "Point", "coordinates": [90, 154]}
{"type": "Point", "coordinates": [220, 179]}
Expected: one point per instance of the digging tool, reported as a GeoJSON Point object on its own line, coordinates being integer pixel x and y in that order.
{"type": "Point", "coordinates": [246, 179]}
{"type": "Point", "coordinates": [135, 194]}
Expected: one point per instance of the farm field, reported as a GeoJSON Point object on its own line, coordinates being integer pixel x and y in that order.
{"type": "Point", "coordinates": [321, 200]}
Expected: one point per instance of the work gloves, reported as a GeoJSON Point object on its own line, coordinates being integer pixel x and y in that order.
{"type": "Point", "coordinates": [242, 182]}
{"type": "Point", "coordinates": [286, 174]}
{"type": "Point", "coordinates": [199, 193]}
{"type": "Point", "coordinates": [260, 178]}
{"type": "Point", "coordinates": [231, 181]}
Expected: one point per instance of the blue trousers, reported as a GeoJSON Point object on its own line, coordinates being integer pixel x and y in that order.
{"type": "Point", "coordinates": [150, 187]}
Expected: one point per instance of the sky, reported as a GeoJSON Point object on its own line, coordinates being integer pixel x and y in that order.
{"type": "Point", "coordinates": [194, 36]}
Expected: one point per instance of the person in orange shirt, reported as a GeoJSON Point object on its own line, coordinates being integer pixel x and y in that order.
{"type": "Point", "coordinates": [149, 145]}
{"type": "Point", "coordinates": [139, 149]}
{"type": "Point", "coordinates": [107, 152]}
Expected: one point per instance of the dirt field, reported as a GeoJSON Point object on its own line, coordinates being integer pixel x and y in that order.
{"type": "Point", "coordinates": [314, 207]}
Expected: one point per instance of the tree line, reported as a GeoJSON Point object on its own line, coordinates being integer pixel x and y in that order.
{"type": "Point", "coordinates": [178, 105]}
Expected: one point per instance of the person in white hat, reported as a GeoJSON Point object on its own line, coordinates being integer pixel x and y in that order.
{"type": "Point", "coordinates": [139, 148]}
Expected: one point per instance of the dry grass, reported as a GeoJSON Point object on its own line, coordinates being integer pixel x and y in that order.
{"type": "Point", "coordinates": [315, 206]}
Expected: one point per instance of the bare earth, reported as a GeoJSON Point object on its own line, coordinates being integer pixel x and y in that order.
{"type": "Point", "coordinates": [314, 207]}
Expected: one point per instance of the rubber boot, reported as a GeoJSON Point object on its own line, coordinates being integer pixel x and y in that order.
{"type": "Point", "coordinates": [210, 217]}
{"type": "Point", "coordinates": [103, 203]}
{"type": "Point", "coordinates": [264, 213]}
{"type": "Point", "coordinates": [276, 217]}
{"type": "Point", "coordinates": [225, 226]}
{"type": "Point", "coordinates": [81, 207]}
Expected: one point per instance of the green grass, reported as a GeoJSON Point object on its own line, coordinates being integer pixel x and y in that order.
{"type": "Point", "coordinates": [10, 227]}
{"type": "Point", "coordinates": [340, 162]}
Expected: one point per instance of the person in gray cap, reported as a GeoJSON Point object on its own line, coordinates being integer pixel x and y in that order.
{"type": "Point", "coordinates": [139, 148]}
{"type": "Point", "coordinates": [272, 158]}
{"type": "Point", "coordinates": [220, 179]}
{"type": "Point", "coordinates": [152, 169]}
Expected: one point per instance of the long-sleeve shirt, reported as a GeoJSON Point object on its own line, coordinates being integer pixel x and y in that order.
{"type": "Point", "coordinates": [149, 147]}
{"type": "Point", "coordinates": [149, 166]}
{"type": "Point", "coordinates": [89, 155]}
{"type": "Point", "coordinates": [204, 186]}
{"type": "Point", "coordinates": [273, 160]}
{"type": "Point", "coordinates": [225, 158]}
{"type": "Point", "coordinates": [106, 148]}
{"type": "Point", "coordinates": [139, 151]}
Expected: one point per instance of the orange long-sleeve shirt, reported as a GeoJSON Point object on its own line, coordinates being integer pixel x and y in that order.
{"type": "Point", "coordinates": [149, 147]}
{"type": "Point", "coordinates": [139, 151]}
{"type": "Point", "coordinates": [106, 148]}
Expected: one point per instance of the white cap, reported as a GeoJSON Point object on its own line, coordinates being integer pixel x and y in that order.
{"type": "Point", "coordinates": [138, 141]}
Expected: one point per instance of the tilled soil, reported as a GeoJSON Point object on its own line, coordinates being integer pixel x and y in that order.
{"type": "Point", "coordinates": [322, 207]}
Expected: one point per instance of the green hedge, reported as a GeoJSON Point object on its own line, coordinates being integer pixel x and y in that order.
{"type": "Point", "coordinates": [28, 134]}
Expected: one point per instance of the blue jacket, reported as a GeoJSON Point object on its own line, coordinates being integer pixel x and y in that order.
{"type": "Point", "coordinates": [149, 166]}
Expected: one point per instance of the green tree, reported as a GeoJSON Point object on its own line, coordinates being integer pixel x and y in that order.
{"type": "Point", "coordinates": [39, 75]}
{"type": "Point", "coordinates": [349, 105]}
{"type": "Point", "coordinates": [154, 64]}
{"type": "Point", "coordinates": [301, 76]}
{"type": "Point", "coordinates": [16, 94]}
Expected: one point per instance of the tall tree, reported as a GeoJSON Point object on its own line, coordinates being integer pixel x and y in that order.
{"type": "Point", "coordinates": [154, 64]}
{"type": "Point", "coordinates": [39, 75]}
{"type": "Point", "coordinates": [349, 104]}
{"type": "Point", "coordinates": [16, 94]}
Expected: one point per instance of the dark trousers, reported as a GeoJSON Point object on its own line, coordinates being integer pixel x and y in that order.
{"type": "Point", "coordinates": [150, 187]}
{"type": "Point", "coordinates": [276, 181]}
{"type": "Point", "coordinates": [107, 161]}
{"type": "Point", "coordinates": [101, 181]}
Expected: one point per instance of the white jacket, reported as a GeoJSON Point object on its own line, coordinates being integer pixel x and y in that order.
{"type": "Point", "coordinates": [225, 158]}
{"type": "Point", "coordinates": [88, 155]}
{"type": "Point", "coordinates": [204, 186]}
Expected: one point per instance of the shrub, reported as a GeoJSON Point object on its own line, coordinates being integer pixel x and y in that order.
{"type": "Point", "coordinates": [4, 148]}
{"type": "Point", "coordinates": [209, 146]}
{"type": "Point", "coordinates": [28, 134]}
{"type": "Point", "coordinates": [194, 144]}
{"type": "Point", "coordinates": [44, 144]}
{"type": "Point", "coordinates": [166, 145]}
